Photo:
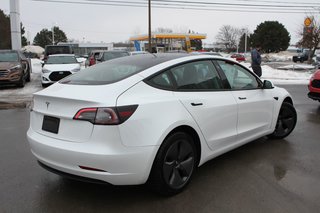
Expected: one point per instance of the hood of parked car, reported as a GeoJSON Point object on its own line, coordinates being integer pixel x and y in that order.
{"type": "Point", "coordinates": [316, 75]}
{"type": "Point", "coordinates": [61, 67]}
{"type": "Point", "coordinates": [7, 65]}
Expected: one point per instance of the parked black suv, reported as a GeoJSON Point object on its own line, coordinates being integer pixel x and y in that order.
{"type": "Point", "coordinates": [301, 56]}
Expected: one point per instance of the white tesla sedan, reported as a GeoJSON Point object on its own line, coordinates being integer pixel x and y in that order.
{"type": "Point", "coordinates": [57, 67]}
{"type": "Point", "coordinates": [153, 118]}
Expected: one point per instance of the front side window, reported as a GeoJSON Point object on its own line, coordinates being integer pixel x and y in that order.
{"type": "Point", "coordinates": [200, 75]}
{"type": "Point", "coordinates": [238, 77]}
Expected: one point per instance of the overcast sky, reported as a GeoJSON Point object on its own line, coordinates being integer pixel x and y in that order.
{"type": "Point", "coordinates": [102, 23]}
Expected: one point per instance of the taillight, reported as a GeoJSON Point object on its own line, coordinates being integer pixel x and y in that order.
{"type": "Point", "coordinates": [106, 115]}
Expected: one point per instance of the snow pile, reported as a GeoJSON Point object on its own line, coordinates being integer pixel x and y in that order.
{"type": "Point", "coordinates": [283, 76]}
{"type": "Point", "coordinates": [297, 67]}
{"type": "Point", "coordinates": [276, 57]}
{"type": "Point", "coordinates": [33, 49]}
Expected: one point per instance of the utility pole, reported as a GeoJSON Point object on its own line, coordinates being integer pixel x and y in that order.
{"type": "Point", "coordinates": [149, 26]}
{"type": "Point", "coordinates": [52, 35]}
{"type": "Point", "coordinates": [15, 24]}
{"type": "Point", "coordinates": [245, 41]}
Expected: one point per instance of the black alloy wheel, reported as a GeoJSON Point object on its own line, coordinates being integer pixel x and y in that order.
{"type": "Point", "coordinates": [174, 164]}
{"type": "Point", "coordinates": [286, 122]}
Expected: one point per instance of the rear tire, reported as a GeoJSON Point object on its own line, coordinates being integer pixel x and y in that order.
{"type": "Point", "coordinates": [286, 122]}
{"type": "Point", "coordinates": [174, 164]}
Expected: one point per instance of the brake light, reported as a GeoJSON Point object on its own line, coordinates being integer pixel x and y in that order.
{"type": "Point", "coordinates": [106, 115]}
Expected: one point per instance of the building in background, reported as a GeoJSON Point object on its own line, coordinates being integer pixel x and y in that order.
{"type": "Point", "coordinates": [167, 42]}
{"type": "Point", "coordinates": [83, 49]}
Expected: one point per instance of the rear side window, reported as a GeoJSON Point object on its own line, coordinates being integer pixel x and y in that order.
{"type": "Point", "coordinates": [162, 81]}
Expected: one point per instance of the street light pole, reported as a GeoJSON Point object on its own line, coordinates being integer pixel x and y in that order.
{"type": "Point", "coordinates": [245, 42]}
{"type": "Point", "coordinates": [15, 24]}
{"type": "Point", "coordinates": [149, 26]}
{"type": "Point", "coordinates": [53, 35]}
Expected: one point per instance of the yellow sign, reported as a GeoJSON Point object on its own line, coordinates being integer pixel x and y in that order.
{"type": "Point", "coordinates": [307, 22]}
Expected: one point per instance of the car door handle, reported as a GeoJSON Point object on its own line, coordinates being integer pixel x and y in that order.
{"type": "Point", "coordinates": [242, 98]}
{"type": "Point", "coordinates": [196, 104]}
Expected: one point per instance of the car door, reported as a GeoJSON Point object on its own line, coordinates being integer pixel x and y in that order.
{"type": "Point", "coordinates": [200, 90]}
{"type": "Point", "coordinates": [255, 105]}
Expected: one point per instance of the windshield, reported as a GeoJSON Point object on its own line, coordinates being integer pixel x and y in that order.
{"type": "Point", "coordinates": [112, 55]}
{"type": "Point", "coordinates": [61, 60]}
{"type": "Point", "coordinates": [9, 57]}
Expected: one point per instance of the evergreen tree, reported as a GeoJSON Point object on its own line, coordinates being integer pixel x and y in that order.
{"type": "Point", "coordinates": [272, 36]}
{"type": "Point", "coordinates": [5, 32]}
{"type": "Point", "coordinates": [242, 43]}
{"type": "Point", "coordinates": [44, 37]}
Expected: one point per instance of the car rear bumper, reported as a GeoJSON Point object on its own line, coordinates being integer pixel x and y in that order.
{"type": "Point", "coordinates": [110, 162]}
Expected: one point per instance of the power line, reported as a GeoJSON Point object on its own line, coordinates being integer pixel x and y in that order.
{"type": "Point", "coordinates": [193, 3]}
{"type": "Point", "coordinates": [200, 7]}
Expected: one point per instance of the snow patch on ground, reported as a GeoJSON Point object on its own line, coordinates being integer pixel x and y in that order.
{"type": "Point", "coordinates": [36, 65]}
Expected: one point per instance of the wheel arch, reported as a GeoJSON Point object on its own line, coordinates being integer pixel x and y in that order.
{"type": "Point", "coordinates": [288, 100]}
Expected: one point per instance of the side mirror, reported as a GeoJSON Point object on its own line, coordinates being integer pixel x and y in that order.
{"type": "Point", "coordinates": [267, 85]}
{"type": "Point", "coordinates": [42, 63]}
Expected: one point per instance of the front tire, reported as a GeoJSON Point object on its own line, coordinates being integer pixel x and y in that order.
{"type": "Point", "coordinates": [174, 164]}
{"type": "Point", "coordinates": [28, 76]}
{"type": "Point", "coordinates": [286, 122]}
{"type": "Point", "coordinates": [22, 81]}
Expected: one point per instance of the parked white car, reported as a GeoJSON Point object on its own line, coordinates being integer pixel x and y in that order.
{"type": "Point", "coordinates": [153, 118]}
{"type": "Point", "coordinates": [57, 67]}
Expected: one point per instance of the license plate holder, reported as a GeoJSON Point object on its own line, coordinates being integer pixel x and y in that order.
{"type": "Point", "coordinates": [51, 124]}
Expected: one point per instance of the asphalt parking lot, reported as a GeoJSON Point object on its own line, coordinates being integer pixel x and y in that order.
{"type": "Point", "coordinates": [262, 176]}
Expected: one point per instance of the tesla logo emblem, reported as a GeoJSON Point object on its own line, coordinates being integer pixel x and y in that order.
{"type": "Point", "coordinates": [47, 103]}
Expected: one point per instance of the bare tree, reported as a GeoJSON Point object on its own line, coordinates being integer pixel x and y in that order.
{"type": "Point", "coordinates": [311, 37]}
{"type": "Point", "coordinates": [229, 36]}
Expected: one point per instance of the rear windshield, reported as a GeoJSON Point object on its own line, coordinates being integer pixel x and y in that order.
{"type": "Point", "coordinates": [115, 70]}
{"type": "Point", "coordinates": [111, 55]}
{"type": "Point", "coordinates": [61, 60]}
{"type": "Point", "coordinates": [50, 50]}
{"type": "Point", "coordinates": [9, 57]}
